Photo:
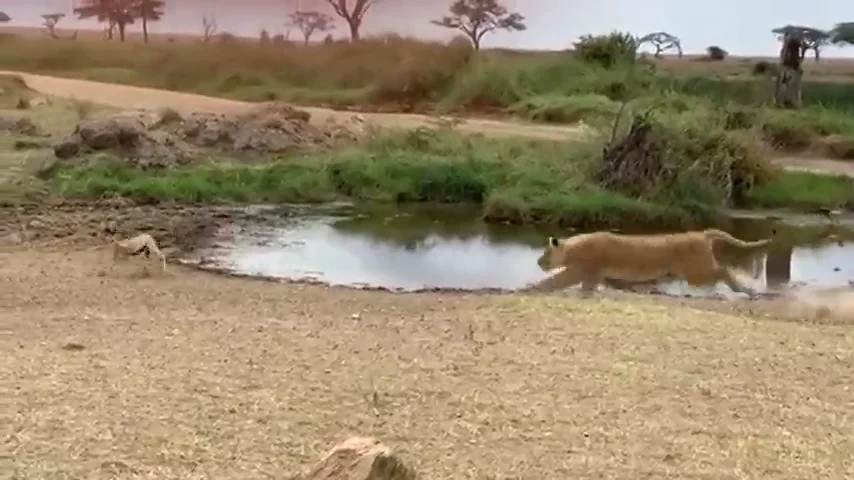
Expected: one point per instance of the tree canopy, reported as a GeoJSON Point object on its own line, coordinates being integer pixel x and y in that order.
{"type": "Point", "coordinates": [310, 22]}
{"type": "Point", "coordinates": [843, 33]}
{"type": "Point", "coordinates": [476, 18]}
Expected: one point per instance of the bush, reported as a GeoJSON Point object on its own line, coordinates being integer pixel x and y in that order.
{"type": "Point", "coordinates": [764, 67]}
{"type": "Point", "coordinates": [572, 109]}
{"type": "Point", "coordinates": [716, 53]}
{"type": "Point", "coordinates": [607, 50]}
{"type": "Point", "coordinates": [686, 160]}
{"type": "Point", "coordinates": [421, 78]}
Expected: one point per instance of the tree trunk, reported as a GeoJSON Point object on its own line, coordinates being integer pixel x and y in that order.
{"type": "Point", "coordinates": [145, 29]}
{"type": "Point", "coordinates": [787, 91]}
{"type": "Point", "coordinates": [354, 31]}
{"type": "Point", "coordinates": [475, 39]}
{"type": "Point", "coordinates": [122, 26]}
{"type": "Point", "coordinates": [817, 55]}
{"type": "Point", "coordinates": [306, 37]}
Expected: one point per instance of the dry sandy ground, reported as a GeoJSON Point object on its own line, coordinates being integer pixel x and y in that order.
{"type": "Point", "coordinates": [192, 375]}
{"type": "Point", "coordinates": [123, 96]}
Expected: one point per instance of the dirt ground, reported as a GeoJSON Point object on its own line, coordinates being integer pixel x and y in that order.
{"type": "Point", "coordinates": [191, 374]}
{"type": "Point", "coordinates": [115, 374]}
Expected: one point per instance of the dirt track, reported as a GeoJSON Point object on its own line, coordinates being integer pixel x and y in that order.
{"type": "Point", "coordinates": [123, 96]}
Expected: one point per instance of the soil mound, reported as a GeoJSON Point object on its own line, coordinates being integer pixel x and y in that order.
{"type": "Point", "coordinates": [157, 139]}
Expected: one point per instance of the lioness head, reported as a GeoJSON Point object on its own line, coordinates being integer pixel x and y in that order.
{"type": "Point", "coordinates": [551, 257]}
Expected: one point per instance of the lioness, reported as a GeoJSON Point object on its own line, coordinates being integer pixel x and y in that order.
{"type": "Point", "coordinates": [142, 244]}
{"type": "Point", "coordinates": [591, 258]}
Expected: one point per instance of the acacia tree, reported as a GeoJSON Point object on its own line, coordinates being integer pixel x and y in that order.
{"type": "Point", "coordinates": [148, 11]}
{"type": "Point", "coordinates": [310, 22]}
{"type": "Point", "coordinates": [476, 18]}
{"type": "Point", "coordinates": [843, 33]}
{"type": "Point", "coordinates": [352, 15]}
{"type": "Point", "coordinates": [662, 41]}
{"type": "Point", "coordinates": [5, 18]}
{"type": "Point", "coordinates": [810, 38]}
{"type": "Point", "coordinates": [119, 13]}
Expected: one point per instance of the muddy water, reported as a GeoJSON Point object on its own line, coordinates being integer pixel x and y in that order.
{"type": "Point", "coordinates": [429, 247]}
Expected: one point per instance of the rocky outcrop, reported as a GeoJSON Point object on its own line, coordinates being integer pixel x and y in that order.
{"type": "Point", "coordinates": [163, 138]}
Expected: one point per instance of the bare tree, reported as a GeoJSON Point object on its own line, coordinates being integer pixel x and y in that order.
{"type": "Point", "coordinates": [662, 41]}
{"type": "Point", "coordinates": [148, 11]}
{"type": "Point", "coordinates": [352, 15]}
{"type": "Point", "coordinates": [209, 27]}
{"type": "Point", "coordinates": [118, 13]}
{"type": "Point", "coordinates": [811, 38]}
{"type": "Point", "coordinates": [310, 22]}
{"type": "Point", "coordinates": [476, 18]}
{"type": "Point", "coordinates": [49, 20]}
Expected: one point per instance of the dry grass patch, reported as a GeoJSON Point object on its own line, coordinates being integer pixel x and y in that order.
{"type": "Point", "coordinates": [192, 374]}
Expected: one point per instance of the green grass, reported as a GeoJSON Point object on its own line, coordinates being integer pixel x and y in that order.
{"type": "Point", "coordinates": [804, 191]}
{"type": "Point", "coordinates": [514, 181]}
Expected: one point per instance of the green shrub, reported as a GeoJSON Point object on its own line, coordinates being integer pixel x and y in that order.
{"type": "Point", "coordinates": [607, 50]}
{"type": "Point", "coordinates": [716, 53]}
{"type": "Point", "coordinates": [571, 109]}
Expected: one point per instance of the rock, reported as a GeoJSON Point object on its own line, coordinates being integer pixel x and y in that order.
{"type": "Point", "coordinates": [11, 239]}
{"type": "Point", "coordinates": [36, 224]}
{"type": "Point", "coordinates": [68, 147]}
{"type": "Point", "coordinates": [20, 126]}
{"type": "Point", "coordinates": [360, 458]}
{"type": "Point", "coordinates": [111, 132]}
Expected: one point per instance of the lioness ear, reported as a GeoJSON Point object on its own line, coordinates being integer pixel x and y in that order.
{"type": "Point", "coordinates": [553, 242]}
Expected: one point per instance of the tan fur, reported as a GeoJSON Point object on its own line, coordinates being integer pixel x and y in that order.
{"type": "Point", "coordinates": [123, 249]}
{"type": "Point", "coordinates": [592, 258]}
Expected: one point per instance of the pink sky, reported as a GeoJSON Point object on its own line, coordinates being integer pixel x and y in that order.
{"type": "Point", "coordinates": [741, 27]}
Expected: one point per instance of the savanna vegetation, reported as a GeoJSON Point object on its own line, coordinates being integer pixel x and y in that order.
{"type": "Point", "coordinates": [703, 133]}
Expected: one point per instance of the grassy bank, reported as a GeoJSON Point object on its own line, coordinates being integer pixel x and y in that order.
{"type": "Point", "coordinates": [401, 74]}
{"type": "Point", "coordinates": [514, 181]}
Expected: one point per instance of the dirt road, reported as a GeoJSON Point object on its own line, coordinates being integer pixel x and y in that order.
{"type": "Point", "coordinates": [123, 96]}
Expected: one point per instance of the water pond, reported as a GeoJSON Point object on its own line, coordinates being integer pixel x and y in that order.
{"type": "Point", "coordinates": [450, 248]}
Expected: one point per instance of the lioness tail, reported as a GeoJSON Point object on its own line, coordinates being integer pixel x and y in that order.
{"type": "Point", "coordinates": [714, 234]}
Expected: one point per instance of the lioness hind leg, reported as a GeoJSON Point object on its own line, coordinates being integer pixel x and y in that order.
{"type": "Point", "coordinates": [726, 276]}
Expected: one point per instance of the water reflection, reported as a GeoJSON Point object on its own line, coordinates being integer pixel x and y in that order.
{"type": "Point", "coordinates": [451, 249]}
